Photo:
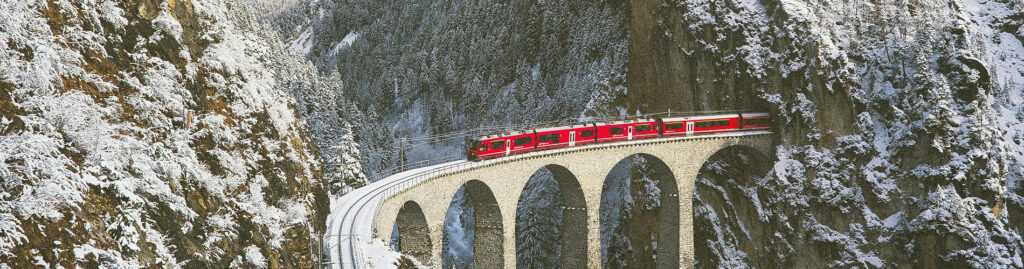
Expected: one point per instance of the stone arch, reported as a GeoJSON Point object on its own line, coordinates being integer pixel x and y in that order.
{"type": "Point", "coordinates": [724, 209]}
{"type": "Point", "coordinates": [413, 233]}
{"type": "Point", "coordinates": [664, 218]}
{"type": "Point", "coordinates": [572, 235]}
{"type": "Point", "coordinates": [758, 160]}
{"type": "Point", "coordinates": [488, 237]}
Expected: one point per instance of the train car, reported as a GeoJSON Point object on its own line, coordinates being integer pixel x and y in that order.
{"type": "Point", "coordinates": [493, 146]}
{"type": "Point", "coordinates": [755, 121]}
{"type": "Point", "coordinates": [626, 130]}
{"type": "Point", "coordinates": [566, 136]}
{"type": "Point", "coordinates": [675, 126]}
{"type": "Point", "coordinates": [715, 123]}
{"type": "Point", "coordinates": [498, 145]}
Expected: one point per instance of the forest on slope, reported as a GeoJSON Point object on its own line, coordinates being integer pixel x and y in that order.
{"type": "Point", "coordinates": [162, 134]}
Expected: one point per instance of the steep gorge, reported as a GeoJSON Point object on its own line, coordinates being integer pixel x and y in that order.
{"type": "Point", "coordinates": [899, 123]}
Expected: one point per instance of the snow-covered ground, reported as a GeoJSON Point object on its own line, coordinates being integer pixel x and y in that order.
{"type": "Point", "coordinates": [349, 241]}
{"type": "Point", "coordinates": [350, 224]}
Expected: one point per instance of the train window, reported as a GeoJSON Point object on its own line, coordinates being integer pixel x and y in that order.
{"type": "Point", "coordinates": [674, 126]}
{"type": "Point", "coordinates": [643, 127]}
{"type": "Point", "coordinates": [757, 121]}
{"type": "Point", "coordinates": [497, 144]}
{"type": "Point", "coordinates": [712, 123]}
{"type": "Point", "coordinates": [553, 138]}
{"type": "Point", "coordinates": [587, 133]}
{"type": "Point", "coordinates": [615, 130]}
{"type": "Point", "coordinates": [523, 141]}
{"type": "Point", "coordinates": [483, 147]}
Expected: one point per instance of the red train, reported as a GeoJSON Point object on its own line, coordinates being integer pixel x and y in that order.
{"type": "Point", "coordinates": [497, 145]}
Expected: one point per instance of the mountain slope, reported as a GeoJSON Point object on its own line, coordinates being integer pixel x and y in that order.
{"type": "Point", "coordinates": [151, 133]}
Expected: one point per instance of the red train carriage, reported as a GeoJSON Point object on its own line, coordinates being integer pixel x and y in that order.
{"type": "Point", "coordinates": [498, 145]}
{"type": "Point", "coordinates": [675, 126]}
{"type": "Point", "coordinates": [699, 124]}
{"type": "Point", "coordinates": [567, 136]}
{"type": "Point", "coordinates": [493, 146]}
{"type": "Point", "coordinates": [626, 130]}
{"type": "Point", "coordinates": [715, 123]}
{"type": "Point", "coordinates": [755, 121]}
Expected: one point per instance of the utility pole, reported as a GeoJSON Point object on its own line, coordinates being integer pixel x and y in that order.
{"type": "Point", "coordinates": [401, 154]}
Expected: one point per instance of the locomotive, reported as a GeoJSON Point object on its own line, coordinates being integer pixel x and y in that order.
{"type": "Point", "coordinates": [518, 142]}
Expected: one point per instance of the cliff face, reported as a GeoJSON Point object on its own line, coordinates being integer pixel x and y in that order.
{"type": "Point", "coordinates": [152, 134]}
{"type": "Point", "coordinates": [899, 127]}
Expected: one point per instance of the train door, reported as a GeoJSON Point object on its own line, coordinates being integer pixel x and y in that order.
{"type": "Point", "coordinates": [689, 128]}
{"type": "Point", "coordinates": [508, 146]}
{"type": "Point", "coordinates": [629, 133]}
{"type": "Point", "coordinates": [572, 139]}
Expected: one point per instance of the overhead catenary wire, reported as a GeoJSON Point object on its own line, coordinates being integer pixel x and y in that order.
{"type": "Point", "coordinates": [534, 125]}
{"type": "Point", "coordinates": [413, 142]}
{"type": "Point", "coordinates": [432, 139]}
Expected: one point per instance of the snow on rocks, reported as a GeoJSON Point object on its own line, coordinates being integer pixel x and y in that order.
{"type": "Point", "coordinates": [119, 147]}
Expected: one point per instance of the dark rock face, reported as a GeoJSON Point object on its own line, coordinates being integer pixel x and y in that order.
{"type": "Point", "coordinates": [896, 145]}
{"type": "Point", "coordinates": [150, 134]}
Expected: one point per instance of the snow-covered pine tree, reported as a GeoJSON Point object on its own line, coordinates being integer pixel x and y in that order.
{"type": "Point", "coordinates": [538, 222]}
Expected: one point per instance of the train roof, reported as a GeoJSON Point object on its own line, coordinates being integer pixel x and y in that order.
{"type": "Point", "coordinates": [557, 128]}
{"type": "Point", "coordinates": [708, 117]}
{"type": "Point", "coordinates": [502, 134]}
{"type": "Point", "coordinates": [576, 126]}
{"type": "Point", "coordinates": [624, 121]}
{"type": "Point", "coordinates": [755, 114]}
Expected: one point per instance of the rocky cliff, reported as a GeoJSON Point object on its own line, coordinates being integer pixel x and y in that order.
{"type": "Point", "coordinates": [154, 134]}
{"type": "Point", "coordinates": [898, 124]}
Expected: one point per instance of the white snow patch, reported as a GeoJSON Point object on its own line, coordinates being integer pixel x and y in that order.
{"type": "Point", "coordinates": [304, 43]}
{"type": "Point", "coordinates": [350, 38]}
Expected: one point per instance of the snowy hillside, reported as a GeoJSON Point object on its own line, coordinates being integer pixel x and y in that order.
{"type": "Point", "coordinates": [421, 69]}
{"type": "Point", "coordinates": [157, 133]}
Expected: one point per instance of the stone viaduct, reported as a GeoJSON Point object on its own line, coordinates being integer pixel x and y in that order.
{"type": "Point", "coordinates": [494, 190]}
